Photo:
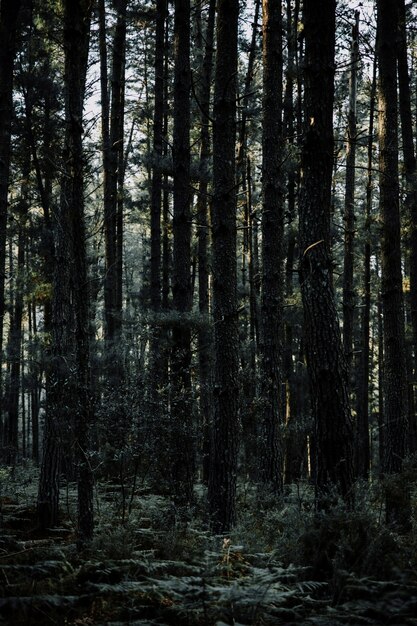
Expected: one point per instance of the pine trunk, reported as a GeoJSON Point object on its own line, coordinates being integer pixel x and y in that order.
{"type": "Point", "coordinates": [363, 456]}
{"type": "Point", "coordinates": [205, 334]}
{"type": "Point", "coordinates": [222, 483]}
{"type": "Point", "coordinates": [395, 373]}
{"type": "Point", "coordinates": [349, 209]}
{"type": "Point", "coordinates": [271, 361]}
{"type": "Point", "coordinates": [333, 437]}
{"type": "Point", "coordinates": [410, 169]}
{"type": "Point", "coordinates": [9, 12]}
{"type": "Point", "coordinates": [181, 435]}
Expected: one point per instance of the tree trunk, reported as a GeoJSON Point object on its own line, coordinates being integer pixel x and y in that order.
{"type": "Point", "coordinates": [295, 438]}
{"type": "Point", "coordinates": [349, 209]}
{"type": "Point", "coordinates": [158, 371]}
{"type": "Point", "coordinates": [222, 483]}
{"type": "Point", "coordinates": [181, 435]}
{"type": "Point", "coordinates": [205, 334]}
{"type": "Point", "coordinates": [271, 361]}
{"type": "Point", "coordinates": [70, 398]}
{"type": "Point", "coordinates": [15, 342]}
{"type": "Point", "coordinates": [363, 459]}
{"type": "Point", "coordinates": [9, 12]}
{"type": "Point", "coordinates": [395, 374]}
{"type": "Point", "coordinates": [112, 138]}
{"type": "Point", "coordinates": [248, 362]}
{"type": "Point", "coordinates": [333, 435]}
{"type": "Point", "coordinates": [410, 169]}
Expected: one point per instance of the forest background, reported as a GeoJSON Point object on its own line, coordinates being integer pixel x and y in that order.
{"type": "Point", "coordinates": [208, 312]}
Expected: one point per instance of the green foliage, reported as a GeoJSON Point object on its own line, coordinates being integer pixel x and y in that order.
{"type": "Point", "coordinates": [284, 564]}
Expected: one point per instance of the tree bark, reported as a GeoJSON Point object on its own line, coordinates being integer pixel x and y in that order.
{"type": "Point", "coordinates": [349, 209]}
{"type": "Point", "coordinates": [271, 361]}
{"type": "Point", "coordinates": [181, 435]}
{"type": "Point", "coordinates": [222, 483]}
{"type": "Point", "coordinates": [15, 341]}
{"type": "Point", "coordinates": [70, 401]}
{"type": "Point", "coordinates": [333, 435]}
{"type": "Point", "coordinates": [9, 12]}
{"type": "Point", "coordinates": [205, 334]}
{"type": "Point", "coordinates": [395, 373]}
{"type": "Point", "coordinates": [112, 138]}
{"type": "Point", "coordinates": [363, 459]}
{"type": "Point", "coordinates": [410, 170]}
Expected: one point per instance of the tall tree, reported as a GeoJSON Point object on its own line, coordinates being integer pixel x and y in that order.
{"type": "Point", "coordinates": [9, 12]}
{"type": "Point", "coordinates": [362, 395]}
{"type": "Point", "coordinates": [205, 352]}
{"type": "Point", "coordinates": [158, 371]}
{"type": "Point", "coordinates": [181, 436]}
{"type": "Point", "coordinates": [69, 389]}
{"type": "Point", "coordinates": [112, 139]}
{"type": "Point", "coordinates": [14, 347]}
{"type": "Point", "coordinates": [349, 209]}
{"type": "Point", "coordinates": [395, 373]}
{"type": "Point", "coordinates": [248, 361]}
{"type": "Point", "coordinates": [325, 358]}
{"type": "Point", "coordinates": [410, 170]}
{"type": "Point", "coordinates": [222, 483]}
{"type": "Point", "coordinates": [271, 449]}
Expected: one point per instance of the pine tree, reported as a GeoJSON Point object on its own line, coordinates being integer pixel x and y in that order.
{"type": "Point", "coordinates": [223, 463]}
{"type": "Point", "coordinates": [333, 437]}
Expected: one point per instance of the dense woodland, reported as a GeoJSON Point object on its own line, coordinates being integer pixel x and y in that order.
{"type": "Point", "coordinates": [208, 312]}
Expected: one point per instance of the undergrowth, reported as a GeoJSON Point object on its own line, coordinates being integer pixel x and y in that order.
{"type": "Point", "coordinates": [284, 563]}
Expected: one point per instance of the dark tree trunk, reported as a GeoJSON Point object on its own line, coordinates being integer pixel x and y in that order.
{"type": "Point", "coordinates": [410, 169]}
{"type": "Point", "coordinates": [205, 338]}
{"type": "Point", "coordinates": [76, 40]}
{"type": "Point", "coordinates": [156, 193]}
{"type": "Point", "coordinates": [349, 209]}
{"type": "Point", "coordinates": [395, 374]}
{"type": "Point", "coordinates": [271, 361]}
{"type": "Point", "coordinates": [363, 457]}
{"type": "Point", "coordinates": [222, 483]}
{"type": "Point", "coordinates": [381, 422]}
{"type": "Point", "coordinates": [14, 347]}
{"type": "Point", "coordinates": [333, 435]}
{"type": "Point", "coordinates": [112, 137]}
{"type": "Point", "coordinates": [248, 362]}
{"type": "Point", "coordinates": [9, 12]}
{"type": "Point", "coordinates": [181, 435]}
{"type": "Point", "coordinates": [295, 439]}
{"type": "Point", "coordinates": [70, 400]}
{"type": "Point", "coordinates": [158, 371]}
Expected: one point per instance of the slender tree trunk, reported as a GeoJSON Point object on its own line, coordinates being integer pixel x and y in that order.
{"type": "Point", "coordinates": [381, 412]}
{"type": "Point", "coordinates": [158, 374]}
{"type": "Point", "coordinates": [325, 359]}
{"type": "Point", "coordinates": [182, 440]}
{"type": "Point", "coordinates": [70, 393]}
{"type": "Point", "coordinates": [248, 370]}
{"type": "Point", "coordinates": [15, 342]}
{"type": "Point", "coordinates": [222, 483]}
{"type": "Point", "coordinates": [410, 168]}
{"type": "Point", "coordinates": [112, 138]}
{"type": "Point", "coordinates": [34, 377]}
{"type": "Point", "coordinates": [363, 459]}
{"type": "Point", "coordinates": [395, 374]}
{"type": "Point", "coordinates": [294, 436]}
{"type": "Point", "coordinates": [271, 449]}
{"type": "Point", "coordinates": [349, 210]}
{"type": "Point", "coordinates": [9, 12]}
{"type": "Point", "coordinates": [205, 334]}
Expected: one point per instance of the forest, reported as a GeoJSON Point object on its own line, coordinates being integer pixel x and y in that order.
{"type": "Point", "coordinates": [208, 312]}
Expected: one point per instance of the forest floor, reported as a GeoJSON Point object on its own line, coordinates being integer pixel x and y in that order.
{"type": "Point", "coordinates": [280, 566]}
